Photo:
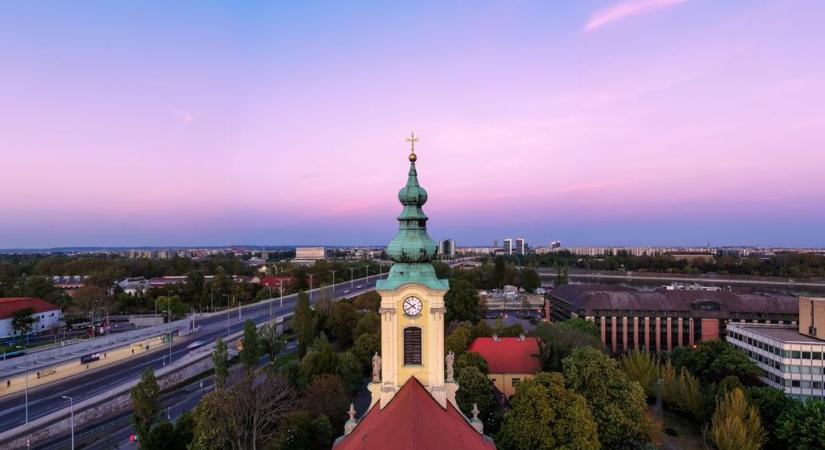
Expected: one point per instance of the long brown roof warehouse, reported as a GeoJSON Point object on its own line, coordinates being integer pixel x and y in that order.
{"type": "Point", "coordinates": [661, 320]}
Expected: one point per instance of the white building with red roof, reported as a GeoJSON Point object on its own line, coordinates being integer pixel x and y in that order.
{"type": "Point", "coordinates": [47, 315]}
{"type": "Point", "coordinates": [510, 360]}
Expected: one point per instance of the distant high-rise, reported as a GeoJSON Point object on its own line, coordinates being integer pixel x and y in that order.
{"type": "Point", "coordinates": [447, 248]}
{"type": "Point", "coordinates": [508, 246]}
{"type": "Point", "coordinates": [495, 244]}
{"type": "Point", "coordinates": [520, 246]}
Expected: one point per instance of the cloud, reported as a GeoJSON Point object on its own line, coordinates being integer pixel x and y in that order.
{"type": "Point", "coordinates": [627, 9]}
{"type": "Point", "coordinates": [183, 117]}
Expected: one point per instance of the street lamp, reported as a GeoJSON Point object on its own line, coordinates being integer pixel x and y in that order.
{"type": "Point", "coordinates": [270, 301]}
{"type": "Point", "coordinates": [333, 283]}
{"type": "Point", "coordinates": [351, 276]}
{"type": "Point", "coordinates": [169, 308]}
{"type": "Point", "coordinates": [71, 408]}
{"type": "Point", "coordinates": [281, 289]}
{"type": "Point", "coordinates": [310, 286]}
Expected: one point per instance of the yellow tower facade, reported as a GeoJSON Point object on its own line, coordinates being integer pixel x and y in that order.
{"type": "Point", "coordinates": [412, 306]}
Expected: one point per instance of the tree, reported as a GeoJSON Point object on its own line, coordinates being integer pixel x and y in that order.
{"type": "Point", "coordinates": [689, 397]}
{"type": "Point", "coordinates": [320, 359]}
{"type": "Point", "coordinates": [304, 430]}
{"type": "Point", "coordinates": [471, 359]}
{"type": "Point", "coordinates": [328, 395]}
{"type": "Point", "coordinates": [561, 276]}
{"type": "Point", "coordinates": [474, 388]}
{"type": "Point", "coordinates": [219, 359]}
{"type": "Point", "coordinates": [351, 370]}
{"type": "Point", "coordinates": [303, 322]}
{"type": "Point", "coordinates": [343, 316]}
{"type": "Point", "coordinates": [145, 404]}
{"type": "Point", "coordinates": [171, 304]}
{"type": "Point", "coordinates": [618, 404]}
{"type": "Point", "coordinates": [736, 424]}
{"type": "Point", "coordinates": [771, 403]}
{"type": "Point", "coordinates": [370, 322]}
{"type": "Point", "coordinates": [546, 415]}
{"type": "Point", "coordinates": [166, 436]}
{"type": "Point", "coordinates": [272, 343]}
{"type": "Point", "coordinates": [462, 302]}
{"type": "Point", "coordinates": [369, 301]}
{"type": "Point", "coordinates": [713, 361]}
{"type": "Point", "coordinates": [558, 340]}
{"type": "Point", "coordinates": [22, 321]}
{"type": "Point", "coordinates": [529, 279]}
{"type": "Point", "coordinates": [244, 416]}
{"type": "Point", "coordinates": [642, 368]}
{"type": "Point", "coordinates": [365, 347]}
{"type": "Point", "coordinates": [251, 350]}
{"type": "Point", "coordinates": [499, 272]}
{"type": "Point", "coordinates": [579, 324]}
{"type": "Point", "coordinates": [802, 427]}
{"type": "Point", "coordinates": [459, 339]}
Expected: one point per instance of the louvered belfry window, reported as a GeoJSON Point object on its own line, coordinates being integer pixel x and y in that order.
{"type": "Point", "coordinates": [412, 346]}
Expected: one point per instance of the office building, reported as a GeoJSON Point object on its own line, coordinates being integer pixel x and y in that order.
{"type": "Point", "coordinates": [508, 246]}
{"type": "Point", "coordinates": [662, 320]}
{"type": "Point", "coordinates": [446, 248]}
{"type": "Point", "coordinates": [792, 357]}
{"type": "Point", "coordinates": [308, 255]}
{"type": "Point", "coordinates": [521, 247]}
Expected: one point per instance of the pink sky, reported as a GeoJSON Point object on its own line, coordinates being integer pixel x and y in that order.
{"type": "Point", "coordinates": [603, 122]}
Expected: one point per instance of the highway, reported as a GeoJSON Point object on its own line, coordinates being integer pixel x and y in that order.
{"type": "Point", "coordinates": [48, 398]}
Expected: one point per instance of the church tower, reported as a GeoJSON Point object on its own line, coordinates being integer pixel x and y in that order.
{"type": "Point", "coordinates": [413, 393]}
{"type": "Point", "coordinates": [412, 304]}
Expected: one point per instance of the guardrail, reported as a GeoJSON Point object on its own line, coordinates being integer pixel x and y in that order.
{"type": "Point", "coordinates": [116, 398]}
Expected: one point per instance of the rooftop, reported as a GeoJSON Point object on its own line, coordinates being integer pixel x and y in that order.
{"type": "Point", "coordinates": [705, 303]}
{"type": "Point", "coordinates": [11, 304]}
{"type": "Point", "coordinates": [509, 354]}
{"type": "Point", "coordinates": [785, 334]}
{"type": "Point", "coordinates": [413, 420]}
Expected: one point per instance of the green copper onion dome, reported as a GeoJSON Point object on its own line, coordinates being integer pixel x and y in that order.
{"type": "Point", "coordinates": [412, 244]}
{"type": "Point", "coordinates": [412, 249]}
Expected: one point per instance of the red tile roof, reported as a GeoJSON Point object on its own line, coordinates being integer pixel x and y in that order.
{"type": "Point", "coordinates": [509, 354]}
{"type": "Point", "coordinates": [413, 420]}
{"type": "Point", "coordinates": [275, 280]}
{"type": "Point", "coordinates": [11, 304]}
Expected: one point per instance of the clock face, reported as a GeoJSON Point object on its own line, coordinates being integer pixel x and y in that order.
{"type": "Point", "coordinates": [412, 306]}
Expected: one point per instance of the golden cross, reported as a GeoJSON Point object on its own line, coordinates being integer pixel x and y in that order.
{"type": "Point", "coordinates": [412, 140]}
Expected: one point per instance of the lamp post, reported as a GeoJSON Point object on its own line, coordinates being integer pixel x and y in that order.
{"type": "Point", "coordinates": [281, 289]}
{"type": "Point", "coordinates": [310, 286]}
{"type": "Point", "coordinates": [270, 302]}
{"type": "Point", "coordinates": [227, 314]}
{"type": "Point", "coordinates": [351, 276]}
{"type": "Point", "coordinates": [169, 308]}
{"type": "Point", "coordinates": [71, 408]}
{"type": "Point", "coordinates": [368, 272]}
{"type": "Point", "coordinates": [333, 283]}
{"type": "Point", "coordinates": [26, 374]}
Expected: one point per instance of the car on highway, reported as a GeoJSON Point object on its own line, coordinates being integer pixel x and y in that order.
{"type": "Point", "coordinates": [359, 286]}
{"type": "Point", "coordinates": [194, 345]}
{"type": "Point", "coordinates": [346, 291]}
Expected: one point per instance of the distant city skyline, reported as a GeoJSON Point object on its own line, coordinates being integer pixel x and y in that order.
{"type": "Point", "coordinates": [600, 123]}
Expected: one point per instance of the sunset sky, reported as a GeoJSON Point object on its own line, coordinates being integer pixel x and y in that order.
{"type": "Point", "coordinates": [610, 122]}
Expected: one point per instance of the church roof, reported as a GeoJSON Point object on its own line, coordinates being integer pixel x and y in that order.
{"type": "Point", "coordinates": [412, 249]}
{"type": "Point", "coordinates": [414, 420]}
{"type": "Point", "coordinates": [509, 354]}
